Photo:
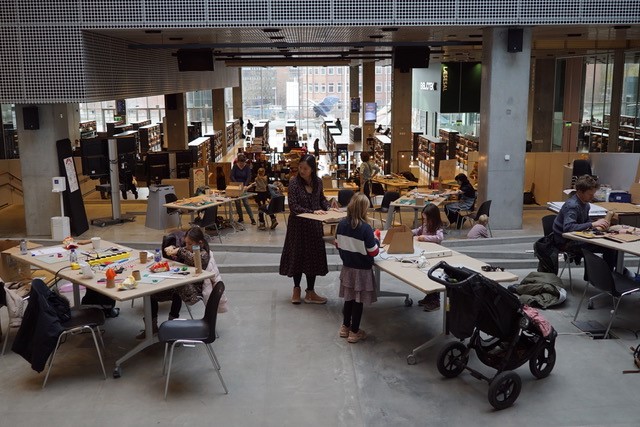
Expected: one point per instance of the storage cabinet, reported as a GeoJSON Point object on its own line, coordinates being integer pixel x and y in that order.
{"type": "Point", "coordinates": [149, 137]}
{"type": "Point", "coordinates": [431, 151]}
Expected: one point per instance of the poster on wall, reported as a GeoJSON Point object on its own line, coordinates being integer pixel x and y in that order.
{"type": "Point", "coordinates": [72, 178]}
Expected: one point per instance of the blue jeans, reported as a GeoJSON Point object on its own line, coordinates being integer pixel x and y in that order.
{"type": "Point", "coordinates": [247, 207]}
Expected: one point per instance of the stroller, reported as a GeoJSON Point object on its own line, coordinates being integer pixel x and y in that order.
{"type": "Point", "coordinates": [502, 335]}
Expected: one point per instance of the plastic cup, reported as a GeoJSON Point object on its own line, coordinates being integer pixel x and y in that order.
{"type": "Point", "coordinates": [96, 241]}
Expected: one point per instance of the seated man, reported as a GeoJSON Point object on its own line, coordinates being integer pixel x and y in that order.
{"type": "Point", "coordinates": [574, 216]}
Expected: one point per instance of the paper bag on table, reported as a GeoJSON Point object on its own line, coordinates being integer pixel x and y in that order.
{"type": "Point", "coordinates": [399, 239]}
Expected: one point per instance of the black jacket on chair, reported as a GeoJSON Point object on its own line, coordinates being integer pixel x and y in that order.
{"type": "Point", "coordinates": [37, 337]}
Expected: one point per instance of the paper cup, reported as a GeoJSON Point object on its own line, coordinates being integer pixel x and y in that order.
{"type": "Point", "coordinates": [95, 241]}
{"type": "Point", "coordinates": [419, 201]}
{"type": "Point", "coordinates": [136, 274]}
{"type": "Point", "coordinates": [143, 257]}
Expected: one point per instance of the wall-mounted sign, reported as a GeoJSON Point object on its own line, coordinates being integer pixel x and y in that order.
{"type": "Point", "coordinates": [428, 86]}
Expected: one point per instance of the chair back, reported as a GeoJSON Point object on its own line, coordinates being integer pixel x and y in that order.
{"type": "Point", "coordinates": [598, 272]}
{"type": "Point", "coordinates": [581, 167]}
{"type": "Point", "coordinates": [377, 189]}
{"type": "Point", "coordinates": [344, 197]}
{"type": "Point", "coordinates": [485, 207]}
{"type": "Point", "coordinates": [547, 224]}
{"type": "Point", "coordinates": [210, 217]}
{"type": "Point", "coordinates": [389, 196]}
{"type": "Point", "coordinates": [276, 205]}
{"type": "Point", "coordinates": [175, 238]}
{"type": "Point", "coordinates": [170, 198]}
{"type": "Point", "coordinates": [211, 311]}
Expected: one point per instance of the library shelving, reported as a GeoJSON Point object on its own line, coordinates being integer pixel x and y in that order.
{"type": "Point", "coordinates": [149, 137]}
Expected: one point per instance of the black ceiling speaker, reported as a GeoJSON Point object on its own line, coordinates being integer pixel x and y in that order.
{"type": "Point", "coordinates": [514, 39]}
{"type": "Point", "coordinates": [195, 60]}
{"type": "Point", "coordinates": [407, 57]}
{"type": "Point", "coordinates": [30, 118]}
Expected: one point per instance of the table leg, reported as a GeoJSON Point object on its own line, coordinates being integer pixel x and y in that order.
{"type": "Point", "coordinates": [376, 274]}
{"type": "Point", "coordinates": [149, 340]}
{"type": "Point", "coordinates": [411, 358]}
{"type": "Point", "coordinates": [76, 295]}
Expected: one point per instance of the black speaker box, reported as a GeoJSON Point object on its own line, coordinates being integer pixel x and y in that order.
{"type": "Point", "coordinates": [407, 57]}
{"type": "Point", "coordinates": [195, 60]}
{"type": "Point", "coordinates": [171, 101]}
{"type": "Point", "coordinates": [30, 118]}
{"type": "Point", "coordinates": [514, 40]}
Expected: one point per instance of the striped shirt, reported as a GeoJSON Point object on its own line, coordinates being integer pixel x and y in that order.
{"type": "Point", "coordinates": [357, 246]}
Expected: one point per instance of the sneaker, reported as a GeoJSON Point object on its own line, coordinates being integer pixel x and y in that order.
{"type": "Point", "coordinates": [253, 221]}
{"type": "Point", "coordinates": [344, 331]}
{"type": "Point", "coordinates": [354, 337]}
{"type": "Point", "coordinates": [432, 305]}
{"type": "Point", "coordinates": [311, 297]}
{"type": "Point", "coordinates": [423, 301]}
{"type": "Point", "coordinates": [274, 224]}
{"type": "Point", "coordinates": [295, 298]}
{"type": "Point", "coordinates": [240, 220]}
{"type": "Point", "coordinates": [262, 226]}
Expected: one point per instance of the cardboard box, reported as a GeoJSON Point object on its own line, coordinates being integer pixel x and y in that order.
{"type": "Point", "coordinates": [234, 189]}
{"type": "Point", "coordinates": [12, 270]}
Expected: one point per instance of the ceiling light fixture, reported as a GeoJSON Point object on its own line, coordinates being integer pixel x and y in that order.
{"type": "Point", "coordinates": [574, 35]}
{"type": "Point", "coordinates": [153, 31]}
{"type": "Point", "coordinates": [389, 29]}
{"type": "Point", "coordinates": [276, 37]}
{"type": "Point", "coordinates": [175, 39]}
{"type": "Point", "coordinates": [376, 36]}
{"type": "Point", "coordinates": [271, 30]}
{"type": "Point", "coordinates": [475, 36]}
{"type": "Point", "coordinates": [621, 27]}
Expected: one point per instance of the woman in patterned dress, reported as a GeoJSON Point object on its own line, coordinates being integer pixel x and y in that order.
{"type": "Point", "coordinates": [304, 248]}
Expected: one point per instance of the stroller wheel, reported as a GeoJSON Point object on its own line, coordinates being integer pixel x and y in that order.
{"type": "Point", "coordinates": [542, 362]}
{"type": "Point", "coordinates": [452, 359]}
{"type": "Point", "coordinates": [504, 389]}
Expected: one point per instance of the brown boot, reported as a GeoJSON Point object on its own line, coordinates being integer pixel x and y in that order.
{"type": "Point", "coordinates": [295, 298]}
{"type": "Point", "coordinates": [312, 298]}
{"type": "Point", "coordinates": [154, 327]}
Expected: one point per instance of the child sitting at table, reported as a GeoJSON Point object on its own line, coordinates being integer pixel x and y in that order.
{"type": "Point", "coordinates": [430, 231]}
{"type": "Point", "coordinates": [479, 230]}
{"type": "Point", "coordinates": [191, 292]}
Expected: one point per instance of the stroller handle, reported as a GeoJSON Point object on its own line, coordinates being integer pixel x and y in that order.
{"type": "Point", "coordinates": [463, 275]}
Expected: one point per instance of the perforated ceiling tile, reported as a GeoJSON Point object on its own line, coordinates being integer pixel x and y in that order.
{"type": "Point", "coordinates": [237, 11]}
{"type": "Point", "coordinates": [536, 10]}
{"type": "Point", "coordinates": [356, 13]}
{"type": "Point", "coordinates": [58, 11]}
{"type": "Point", "coordinates": [176, 11]}
{"type": "Point", "coordinates": [417, 13]}
{"type": "Point", "coordinates": [10, 86]}
{"type": "Point", "coordinates": [8, 12]}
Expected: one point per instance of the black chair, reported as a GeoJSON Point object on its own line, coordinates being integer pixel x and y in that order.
{"type": "Point", "coordinates": [389, 196]}
{"type": "Point", "coordinates": [344, 197]}
{"type": "Point", "coordinates": [192, 332]}
{"type": "Point", "coordinates": [547, 228]}
{"type": "Point", "coordinates": [172, 198]}
{"type": "Point", "coordinates": [80, 321]}
{"type": "Point", "coordinates": [209, 220]}
{"type": "Point", "coordinates": [614, 284]}
{"type": "Point", "coordinates": [275, 206]}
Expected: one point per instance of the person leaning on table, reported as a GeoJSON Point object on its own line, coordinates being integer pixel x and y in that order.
{"type": "Point", "coordinates": [574, 216]}
{"type": "Point", "coordinates": [466, 199]}
{"type": "Point", "coordinates": [304, 249]}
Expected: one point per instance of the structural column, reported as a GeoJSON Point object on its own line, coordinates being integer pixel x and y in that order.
{"type": "Point", "coordinates": [175, 121]}
{"type": "Point", "coordinates": [39, 163]}
{"type": "Point", "coordinates": [354, 92]}
{"type": "Point", "coordinates": [219, 120]}
{"type": "Point", "coordinates": [503, 108]}
{"type": "Point", "coordinates": [237, 97]}
{"type": "Point", "coordinates": [401, 137]}
{"type": "Point", "coordinates": [368, 95]}
{"type": "Point", "coordinates": [572, 103]}
{"type": "Point", "coordinates": [616, 100]}
{"type": "Point", "coordinates": [542, 104]}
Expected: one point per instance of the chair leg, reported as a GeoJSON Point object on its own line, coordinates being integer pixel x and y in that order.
{"type": "Point", "coordinates": [6, 333]}
{"type": "Point", "coordinates": [581, 299]}
{"type": "Point", "coordinates": [51, 359]}
{"type": "Point", "coordinates": [613, 315]}
{"type": "Point", "coordinates": [214, 359]}
{"type": "Point", "coordinates": [95, 341]}
{"type": "Point", "coordinates": [568, 264]}
{"type": "Point", "coordinates": [166, 384]}
{"type": "Point", "coordinates": [164, 359]}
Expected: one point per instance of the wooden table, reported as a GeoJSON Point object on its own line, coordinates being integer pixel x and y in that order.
{"type": "Point", "coordinates": [202, 202]}
{"type": "Point", "coordinates": [418, 279]}
{"type": "Point", "coordinates": [632, 248]}
{"type": "Point", "coordinates": [151, 283]}
{"type": "Point", "coordinates": [410, 201]}
{"type": "Point", "coordinates": [398, 183]}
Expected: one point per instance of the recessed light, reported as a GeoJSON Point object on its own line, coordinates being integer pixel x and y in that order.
{"type": "Point", "coordinates": [271, 30]}
{"type": "Point", "coordinates": [451, 35]}
{"type": "Point", "coordinates": [175, 39]}
{"type": "Point", "coordinates": [475, 36]}
{"type": "Point", "coordinates": [389, 29]}
{"type": "Point", "coordinates": [276, 37]}
{"type": "Point", "coordinates": [376, 36]}
{"type": "Point", "coordinates": [574, 35]}
{"type": "Point", "coordinates": [621, 27]}
{"type": "Point", "coordinates": [153, 31]}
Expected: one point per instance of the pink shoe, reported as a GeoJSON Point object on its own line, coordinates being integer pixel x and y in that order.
{"type": "Point", "coordinates": [354, 337]}
{"type": "Point", "coordinates": [344, 331]}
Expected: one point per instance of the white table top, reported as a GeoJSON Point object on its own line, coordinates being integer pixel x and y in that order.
{"type": "Point", "coordinates": [417, 278]}
{"type": "Point", "coordinates": [628, 247]}
{"type": "Point", "coordinates": [62, 267]}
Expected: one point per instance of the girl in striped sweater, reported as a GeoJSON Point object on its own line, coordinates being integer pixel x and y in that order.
{"type": "Point", "coordinates": [357, 246]}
